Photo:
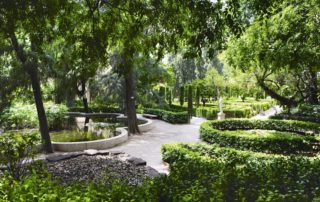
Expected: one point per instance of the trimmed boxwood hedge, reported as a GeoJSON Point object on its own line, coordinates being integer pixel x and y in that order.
{"type": "Point", "coordinates": [210, 113]}
{"type": "Point", "coordinates": [169, 116]}
{"type": "Point", "coordinates": [225, 174]}
{"type": "Point", "coordinates": [220, 132]}
{"type": "Point", "coordinates": [234, 109]}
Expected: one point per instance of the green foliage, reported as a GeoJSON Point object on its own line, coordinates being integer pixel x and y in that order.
{"type": "Point", "coordinates": [22, 115]}
{"type": "Point", "coordinates": [169, 116]}
{"type": "Point", "coordinates": [225, 174]}
{"type": "Point", "coordinates": [228, 133]}
{"type": "Point", "coordinates": [15, 148]}
{"type": "Point", "coordinates": [78, 136]}
{"type": "Point", "coordinates": [282, 50]}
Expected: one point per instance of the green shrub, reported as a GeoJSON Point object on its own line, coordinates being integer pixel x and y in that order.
{"type": "Point", "coordinates": [15, 149]}
{"type": "Point", "coordinates": [230, 175]}
{"type": "Point", "coordinates": [22, 115]}
{"type": "Point", "coordinates": [169, 116]}
{"type": "Point", "coordinates": [226, 133]}
{"type": "Point", "coordinates": [210, 113]}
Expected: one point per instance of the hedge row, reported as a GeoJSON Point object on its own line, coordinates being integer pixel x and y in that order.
{"type": "Point", "coordinates": [226, 134]}
{"type": "Point", "coordinates": [169, 116]}
{"type": "Point", "coordinates": [234, 109]}
{"type": "Point", "coordinates": [223, 174]}
{"type": "Point", "coordinates": [210, 113]}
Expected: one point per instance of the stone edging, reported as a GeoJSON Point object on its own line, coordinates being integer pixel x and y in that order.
{"type": "Point", "coordinates": [95, 144]}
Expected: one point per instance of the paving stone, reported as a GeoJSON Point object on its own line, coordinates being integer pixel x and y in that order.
{"type": "Point", "coordinates": [137, 161]}
{"type": "Point", "coordinates": [60, 157]}
{"type": "Point", "coordinates": [91, 152]}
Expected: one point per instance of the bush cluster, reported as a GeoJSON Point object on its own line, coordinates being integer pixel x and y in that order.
{"type": "Point", "coordinates": [169, 116]}
{"type": "Point", "coordinates": [212, 173]}
{"type": "Point", "coordinates": [227, 133]}
{"type": "Point", "coordinates": [22, 115]}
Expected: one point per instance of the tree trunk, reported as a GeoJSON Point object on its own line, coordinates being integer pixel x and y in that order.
{"type": "Point", "coordinates": [283, 100]}
{"type": "Point", "coordinates": [198, 96]}
{"type": "Point", "coordinates": [130, 103]}
{"type": "Point", "coordinates": [44, 129]}
{"type": "Point", "coordinates": [32, 71]}
{"type": "Point", "coordinates": [313, 88]}
{"type": "Point", "coordinates": [85, 105]}
{"type": "Point", "coordinates": [190, 104]}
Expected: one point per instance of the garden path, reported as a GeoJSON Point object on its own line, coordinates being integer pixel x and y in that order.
{"type": "Point", "coordinates": [148, 145]}
{"type": "Point", "coordinates": [270, 112]}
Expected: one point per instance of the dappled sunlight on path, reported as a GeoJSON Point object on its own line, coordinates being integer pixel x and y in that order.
{"type": "Point", "coordinates": [148, 145]}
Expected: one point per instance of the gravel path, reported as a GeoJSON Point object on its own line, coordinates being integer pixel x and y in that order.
{"type": "Point", "coordinates": [148, 145]}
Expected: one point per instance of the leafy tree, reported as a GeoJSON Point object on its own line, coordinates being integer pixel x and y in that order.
{"type": "Point", "coordinates": [284, 45]}
{"type": "Point", "coordinates": [25, 27]}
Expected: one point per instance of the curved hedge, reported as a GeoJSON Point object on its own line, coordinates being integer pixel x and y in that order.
{"type": "Point", "coordinates": [226, 174]}
{"type": "Point", "coordinates": [225, 134]}
{"type": "Point", "coordinates": [169, 116]}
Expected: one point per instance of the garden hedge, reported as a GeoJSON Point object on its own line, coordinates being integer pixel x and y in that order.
{"type": "Point", "coordinates": [225, 174]}
{"type": "Point", "coordinates": [169, 116]}
{"type": "Point", "coordinates": [234, 109]}
{"type": "Point", "coordinates": [225, 133]}
{"type": "Point", "coordinates": [210, 113]}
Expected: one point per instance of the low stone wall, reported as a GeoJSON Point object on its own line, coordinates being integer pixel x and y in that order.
{"type": "Point", "coordinates": [147, 126]}
{"type": "Point", "coordinates": [95, 144]}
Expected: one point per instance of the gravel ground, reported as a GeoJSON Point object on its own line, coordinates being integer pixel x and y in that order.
{"type": "Point", "coordinates": [97, 168]}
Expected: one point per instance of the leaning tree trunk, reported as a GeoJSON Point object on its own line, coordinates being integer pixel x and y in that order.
{"type": "Point", "coordinates": [313, 88]}
{"type": "Point", "coordinates": [32, 70]}
{"type": "Point", "coordinates": [44, 129]}
{"type": "Point", "coordinates": [283, 100]}
{"type": "Point", "coordinates": [130, 103]}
